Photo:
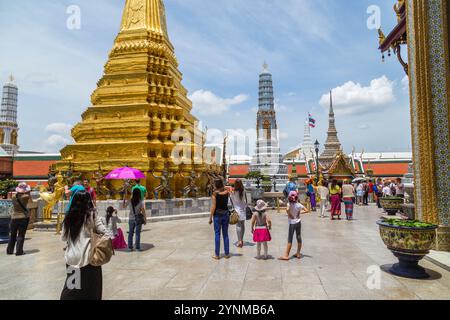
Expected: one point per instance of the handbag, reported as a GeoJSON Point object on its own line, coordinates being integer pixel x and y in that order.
{"type": "Point", "coordinates": [248, 210]}
{"type": "Point", "coordinates": [101, 248]}
{"type": "Point", "coordinates": [234, 216]}
{"type": "Point", "coordinates": [139, 218]}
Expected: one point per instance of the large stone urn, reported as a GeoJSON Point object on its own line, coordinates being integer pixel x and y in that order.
{"type": "Point", "coordinates": [392, 205]}
{"type": "Point", "coordinates": [409, 244]}
{"type": "Point", "coordinates": [5, 219]}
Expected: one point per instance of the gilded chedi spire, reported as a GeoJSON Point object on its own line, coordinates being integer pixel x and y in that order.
{"type": "Point", "coordinates": [138, 103]}
{"type": "Point", "coordinates": [145, 14]}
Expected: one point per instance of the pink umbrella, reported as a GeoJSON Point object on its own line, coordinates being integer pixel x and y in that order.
{"type": "Point", "coordinates": [125, 173]}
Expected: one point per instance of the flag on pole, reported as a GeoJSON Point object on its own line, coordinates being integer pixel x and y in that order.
{"type": "Point", "coordinates": [312, 121]}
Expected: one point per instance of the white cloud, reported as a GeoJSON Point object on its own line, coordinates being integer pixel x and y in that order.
{"type": "Point", "coordinates": [363, 126]}
{"type": "Point", "coordinates": [405, 83]}
{"type": "Point", "coordinates": [56, 142]}
{"type": "Point", "coordinates": [353, 98]}
{"type": "Point", "coordinates": [59, 128]}
{"type": "Point", "coordinates": [207, 103]}
{"type": "Point", "coordinates": [59, 136]}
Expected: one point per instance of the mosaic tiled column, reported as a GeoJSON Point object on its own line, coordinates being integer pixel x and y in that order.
{"type": "Point", "coordinates": [428, 41]}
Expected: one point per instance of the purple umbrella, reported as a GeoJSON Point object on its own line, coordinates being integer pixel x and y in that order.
{"type": "Point", "coordinates": [125, 173]}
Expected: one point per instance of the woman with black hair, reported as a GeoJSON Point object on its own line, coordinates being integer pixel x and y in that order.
{"type": "Point", "coordinates": [335, 198]}
{"type": "Point", "coordinates": [220, 215]}
{"type": "Point", "coordinates": [137, 218]}
{"type": "Point", "coordinates": [84, 281]}
{"type": "Point", "coordinates": [111, 221]}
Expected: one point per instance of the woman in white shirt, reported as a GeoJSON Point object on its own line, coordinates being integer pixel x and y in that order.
{"type": "Point", "coordinates": [324, 195]}
{"type": "Point", "coordinates": [387, 190]}
{"type": "Point", "coordinates": [84, 281]}
{"type": "Point", "coordinates": [240, 204]}
{"type": "Point", "coordinates": [359, 194]}
{"type": "Point", "coordinates": [111, 221]}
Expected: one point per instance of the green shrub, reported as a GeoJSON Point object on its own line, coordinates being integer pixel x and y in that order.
{"type": "Point", "coordinates": [7, 186]}
{"type": "Point", "coordinates": [408, 223]}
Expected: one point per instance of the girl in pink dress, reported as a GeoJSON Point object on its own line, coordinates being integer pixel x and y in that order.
{"type": "Point", "coordinates": [116, 234]}
{"type": "Point", "coordinates": [261, 225]}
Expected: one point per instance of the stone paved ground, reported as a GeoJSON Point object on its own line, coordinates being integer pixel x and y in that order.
{"type": "Point", "coordinates": [177, 264]}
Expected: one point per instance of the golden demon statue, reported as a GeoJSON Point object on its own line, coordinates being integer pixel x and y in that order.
{"type": "Point", "coordinates": [52, 198]}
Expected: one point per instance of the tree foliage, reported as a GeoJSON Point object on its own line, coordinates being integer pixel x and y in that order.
{"type": "Point", "coordinates": [7, 186]}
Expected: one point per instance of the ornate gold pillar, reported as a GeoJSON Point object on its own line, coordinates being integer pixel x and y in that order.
{"type": "Point", "coordinates": [428, 45]}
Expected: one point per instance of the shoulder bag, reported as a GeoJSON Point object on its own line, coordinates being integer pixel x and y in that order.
{"type": "Point", "coordinates": [139, 218]}
{"type": "Point", "coordinates": [101, 247]}
{"type": "Point", "coordinates": [234, 217]}
{"type": "Point", "coordinates": [22, 206]}
{"type": "Point", "coordinates": [248, 210]}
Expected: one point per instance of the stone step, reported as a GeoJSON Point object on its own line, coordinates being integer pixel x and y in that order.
{"type": "Point", "coordinates": [47, 226]}
{"type": "Point", "coordinates": [173, 217]}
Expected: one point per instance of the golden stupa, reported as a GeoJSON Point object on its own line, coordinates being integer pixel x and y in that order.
{"type": "Point", "coordinates": [137, 106]}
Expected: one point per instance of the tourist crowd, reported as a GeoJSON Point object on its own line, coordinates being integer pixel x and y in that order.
{"type": "Point", "coordinates": [90, 237]}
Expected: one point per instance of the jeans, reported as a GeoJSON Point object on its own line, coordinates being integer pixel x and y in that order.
{"type": "Point", "coordinates": [138, 228]}
{"type": "Point", "coordinates": [379, 196]}
{"type": "Point", "coordinates": [366, 199]}
{"type": "Point", "coordinates": [18, 231]}
{"type": "Point", "coordinates": [221, 223]}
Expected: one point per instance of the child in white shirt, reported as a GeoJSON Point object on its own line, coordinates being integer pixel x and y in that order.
{"type": "Point", "coordinates": [294, 211]}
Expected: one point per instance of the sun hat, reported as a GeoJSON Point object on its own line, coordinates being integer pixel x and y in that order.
{"type": "Point", "coordinates": [23, 188]}
{"type": "Point", "coordinates": [261, 205]}
{"type": "Point", "coordinates": [293, 196]}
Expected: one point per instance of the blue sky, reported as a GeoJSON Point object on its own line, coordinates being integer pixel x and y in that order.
{"type": "Point", "coordinates": [311, 46]}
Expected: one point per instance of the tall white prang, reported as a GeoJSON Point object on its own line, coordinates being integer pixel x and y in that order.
{"type": "Point", "coordinates": [268, 158]}
{"type": "Point", "coordinates": [8, 118]}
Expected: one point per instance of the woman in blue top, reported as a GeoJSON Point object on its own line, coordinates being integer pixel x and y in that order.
{"type": "Point", "coordinates": [311, 194]}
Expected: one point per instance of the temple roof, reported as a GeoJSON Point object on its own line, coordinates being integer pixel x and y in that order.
{"type": "Point", "coordinates": [398, 34]}
{"type": "Point", "coordinates": [340, 163]}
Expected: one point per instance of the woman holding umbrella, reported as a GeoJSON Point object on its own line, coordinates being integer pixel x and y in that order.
{"type": "Point", "coordinates": [137, 216]}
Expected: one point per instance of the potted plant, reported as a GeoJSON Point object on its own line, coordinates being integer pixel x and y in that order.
{"type": "Point", "coordinates": [255, 176]}
{"type": "Point", "coordinates": [5, 219]}
{"type": "Point", "coordinates": [409, 241]}
{"type": "Point", "coordinates": [392, 205]}
{"type": "Point", "coordinates": [267, 184]}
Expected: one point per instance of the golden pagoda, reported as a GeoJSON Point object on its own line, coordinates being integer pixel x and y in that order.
{"type": "Point", "coordinates": [138, 104]}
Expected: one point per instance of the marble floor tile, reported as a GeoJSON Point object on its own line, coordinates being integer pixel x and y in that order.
{"type": "Point", "coordinates": [177, 264]}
